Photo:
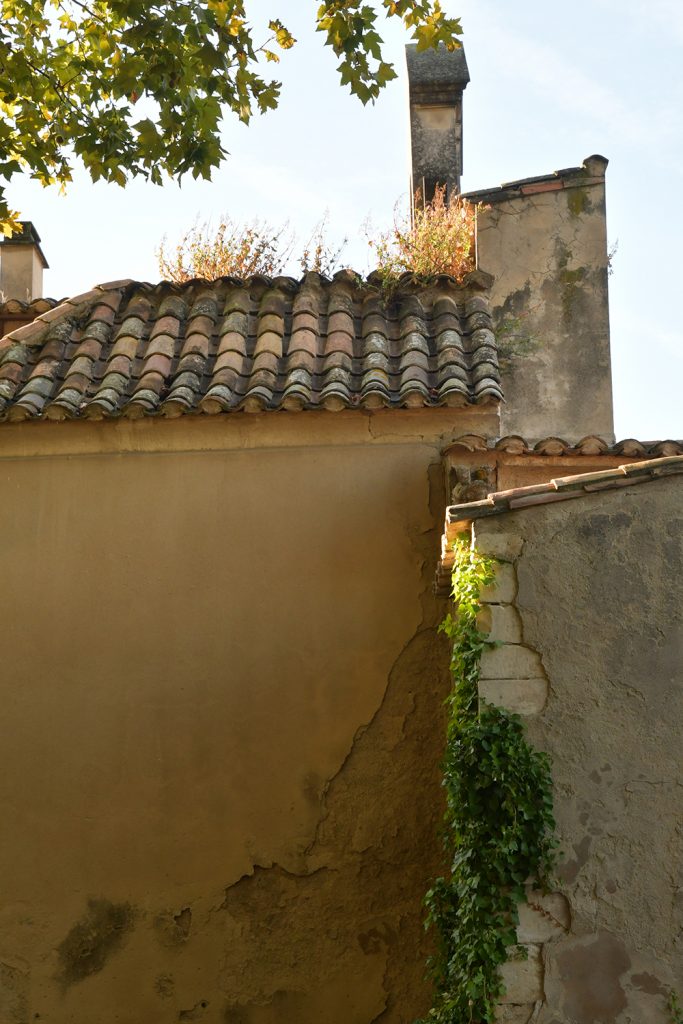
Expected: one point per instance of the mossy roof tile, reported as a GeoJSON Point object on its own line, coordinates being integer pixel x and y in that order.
{"type": "Point", "coordinates": [309, 344]}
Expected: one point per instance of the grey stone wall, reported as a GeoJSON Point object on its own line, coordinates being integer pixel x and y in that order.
{"type": "Point", "coordinates": [590, 611]}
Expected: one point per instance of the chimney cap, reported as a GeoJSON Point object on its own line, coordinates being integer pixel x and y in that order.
{"type": "Point", "coordinates": [27, 236]}
{"type": "Point", "coordinates": [596, 165]}
{"type": "Point", "coordinates": [436, 76]}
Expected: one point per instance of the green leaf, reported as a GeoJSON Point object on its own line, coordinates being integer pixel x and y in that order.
{"type": "Point", "coordinates": [72, 72]}
{"type": "Point", "coordinates": [499, 824]}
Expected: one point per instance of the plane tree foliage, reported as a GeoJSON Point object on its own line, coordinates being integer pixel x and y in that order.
{"type": "Point", "coordinates": [136, 88]}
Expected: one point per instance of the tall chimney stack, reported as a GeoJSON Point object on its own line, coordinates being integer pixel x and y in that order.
{"type": "Point", "coordinates": [21, 265]}
{"type": "Point", "coordinates": [436, 80]}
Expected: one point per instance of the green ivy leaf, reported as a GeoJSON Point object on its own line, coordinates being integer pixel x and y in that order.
{"type": "Point", "coordinates": [499, 826]}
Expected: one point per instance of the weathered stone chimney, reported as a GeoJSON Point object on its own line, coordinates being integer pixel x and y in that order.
{"type": "Point", "coordinates": [21, 265]}
{"type": "Point", "coordinates": [436, 80]}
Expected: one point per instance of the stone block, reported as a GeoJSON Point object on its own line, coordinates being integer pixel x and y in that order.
{"type": "Point", "coordinates": [543, 917]}
{"type": "Point", "coordinates": [485, 618]}
{"type": "Point", "coordinates": [511, 1013]}
{"type": "Point", "coordinates": [510, 661]}
{"type": "Point", "coordinates": [504, 546]}
{"type": "Point", "coordinates": [501, 622]}
{"type": "Point", "coordinates": [523, 979]}
{"type": "Point", "coordinates": [521, 696]}
{"type": "Point", "coordinates": [503, 590]}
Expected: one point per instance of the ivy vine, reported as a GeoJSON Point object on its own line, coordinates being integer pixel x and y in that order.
{"type": "Point", "coordinates": [499, 825]}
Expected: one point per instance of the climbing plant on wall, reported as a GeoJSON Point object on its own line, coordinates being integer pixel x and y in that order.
{"type": "Point", "coordinates": [675, 1008]}
{"type": "Point", "coordinates": [499, 825]}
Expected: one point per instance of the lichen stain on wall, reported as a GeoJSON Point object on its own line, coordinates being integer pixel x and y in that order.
{"type": "Point", "coordinates": [578, 201]}
{"type": "Point", "coordinates": [93, 939]}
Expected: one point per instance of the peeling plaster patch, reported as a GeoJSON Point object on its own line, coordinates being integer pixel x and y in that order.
{"type": "Point", "coordinates": [282, 1006]}
{"type": "Point", "coordinates": [13, 995]}
{"type": "Point", "coordinates": [334, 1002]}
{"type": "Point", "coordinates": [313, 786]}
{"type": "Point", "coordinates": [591, 974]}
{"type": "Point", "coordinates": [330, 943]}
{"type": "Point", "coordinates": [164, 986]}
{"type": "Point", "coordinates": [376, 939]}
{"type": "Point", "coordinates": [173, 929]}
{"type": "Point", "coordinates": [261, 875]}
{"type": "Point", "coordinates": [516, 1013]}
{"type": "Point", "coordinates": [198, 1012]}
{"type": "Point", "coordinates": [93, 939]}
{"type": "Point", "coordinates": [236, 1015]}
{"type": "Point", "coordinates": [183, 921]}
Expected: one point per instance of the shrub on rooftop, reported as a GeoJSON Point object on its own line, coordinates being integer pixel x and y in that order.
{"type": "Point", "coordinates": [437, 239]}
{"type": "Point", "coordinates": [241, 250]}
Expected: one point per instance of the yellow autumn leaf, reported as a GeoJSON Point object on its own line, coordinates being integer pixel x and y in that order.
{"type": "Point", "coordinates": [284, 37]}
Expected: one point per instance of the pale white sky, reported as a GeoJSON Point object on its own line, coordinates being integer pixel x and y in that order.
{"type": "Point", "coordinates": [550, 85]}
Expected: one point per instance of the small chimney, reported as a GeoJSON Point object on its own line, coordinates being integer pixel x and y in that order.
{"type": "Point", "coordinates": [436, 80]}
{"type": "Point", "coordinates": [21, 265]}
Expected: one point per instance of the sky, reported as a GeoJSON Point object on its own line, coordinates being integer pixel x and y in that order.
{"type": "Point", "coordinates": [550, 85]}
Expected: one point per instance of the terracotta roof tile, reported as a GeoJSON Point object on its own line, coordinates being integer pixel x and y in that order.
{"type": "Point", "coordinates": [16, 307]}
{"type": "Point", "coordinates": [591, 446]}
{"type": "Point", "coordinates": [568, 488]}
{"type": "Point", "coordinates": [129, 349]}
{"type": "Point", "coordinates": [666, 448]}
{"type": "Point", "coordinates": [565, 488]}
{"type": "Point", "coordinates": [591, 172]}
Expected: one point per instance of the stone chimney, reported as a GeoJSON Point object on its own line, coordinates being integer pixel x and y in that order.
{"type": "Point", "coordinates": [436, 80]}
{"type": "Point", "coordinates": [21, 265]}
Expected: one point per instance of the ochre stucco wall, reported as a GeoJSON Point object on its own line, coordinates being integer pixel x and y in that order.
{"type": "Point", "coordinates": [600, 594]}
{"type": "Point", "coordinates": [222, 720]}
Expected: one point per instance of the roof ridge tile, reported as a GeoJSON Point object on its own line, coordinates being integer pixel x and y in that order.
{"type": "Point", "coordinates": [565, 488]}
